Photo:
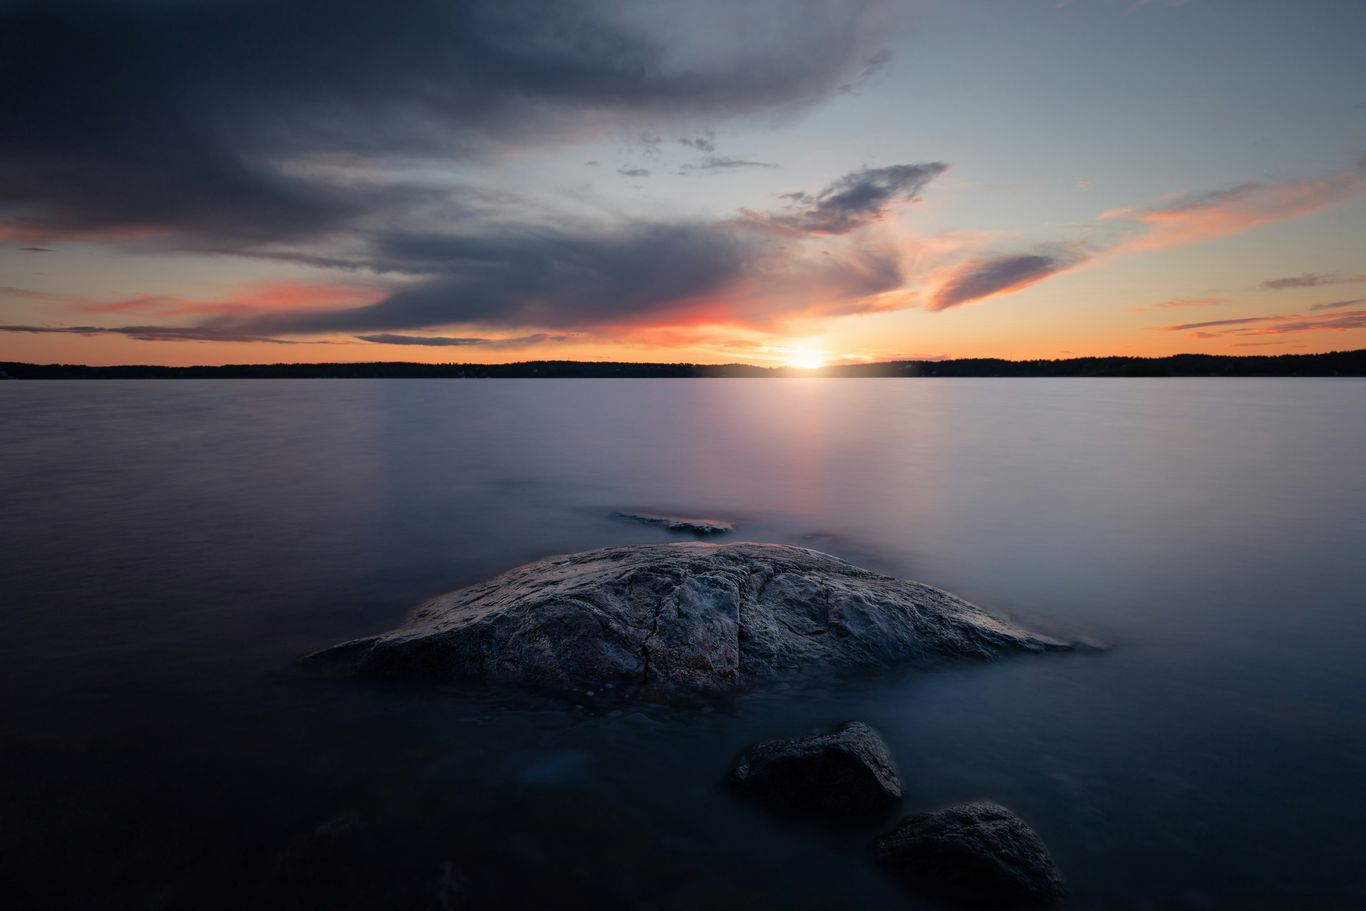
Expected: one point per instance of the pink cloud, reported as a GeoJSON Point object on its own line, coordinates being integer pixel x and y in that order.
{"type": "Point", "coordinates": [1176, 222]}
{"type": "Point", "coordinates": [1208, 216]}
{"type": "Point", "coordinates": [1273, 325]}
{"type": "Point", "coordinates": [259, 298]}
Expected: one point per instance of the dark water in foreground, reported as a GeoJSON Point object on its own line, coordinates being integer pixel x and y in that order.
{"type": "Point", "coordinates": [168, 548]}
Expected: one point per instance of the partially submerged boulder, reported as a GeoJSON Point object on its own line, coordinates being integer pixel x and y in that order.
{"type": "Point", "coordinates": [976, 854]}
{"type": "Point", "coordinates": [680, 618]}
{"type": "Point", "coordinates": [845, 775]}
{"type": "Point", "coordinates": [687, 524]}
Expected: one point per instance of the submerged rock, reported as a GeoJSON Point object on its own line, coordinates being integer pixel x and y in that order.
{"type": "Point", "coordinates": [976, 853]}
{"type": "Point", "coordinates": [844, 775]}
{"type": "Point", "coordinates": [696, 526]}
{"type": "Point", "coordinates": [679, 618]}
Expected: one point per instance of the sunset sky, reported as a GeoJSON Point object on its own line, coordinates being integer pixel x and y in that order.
{"type": "Point", "coordinates": [241, 181]}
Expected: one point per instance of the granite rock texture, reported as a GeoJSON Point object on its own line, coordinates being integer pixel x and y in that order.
{"type": "Point", "coordinates": [845, 775]}
{"type": "Point", "coordinates": [678, 618]}
{"type": "Point", "coordinates": [976, 854]}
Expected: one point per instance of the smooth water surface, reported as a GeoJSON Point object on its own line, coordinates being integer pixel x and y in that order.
{"type": "Point", "coordinates": [168, 548]}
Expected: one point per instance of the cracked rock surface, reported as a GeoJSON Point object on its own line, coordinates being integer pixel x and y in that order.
{"type": "Point", "coordinates": [680, 618]}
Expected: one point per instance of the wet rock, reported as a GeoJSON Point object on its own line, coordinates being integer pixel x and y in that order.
{"type": "Point", "coordinates": [844, 775]}
{"type": "Point", "coordinates": [695, 526]}
{"type": "Point", "coordinates": [685, 618]}
{"type": "Point", "coordinates": [974, 854]}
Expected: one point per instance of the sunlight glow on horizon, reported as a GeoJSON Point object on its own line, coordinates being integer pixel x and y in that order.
{"type": "Point", "coordinates": [804, 358]}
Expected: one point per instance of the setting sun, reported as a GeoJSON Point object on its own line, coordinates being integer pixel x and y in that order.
{"type": "Point", "coordinates": [806, 358]}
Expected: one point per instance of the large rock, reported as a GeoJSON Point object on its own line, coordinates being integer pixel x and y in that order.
{"type": "Point", "coordinates": [844, 775]}
{"type": "Point", "coordinates": [976, 853]}
{"type": "Point", "coordinates": [675, 618]}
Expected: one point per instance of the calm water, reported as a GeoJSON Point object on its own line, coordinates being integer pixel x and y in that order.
{"type": "Point", "coordinates": [168, 548]}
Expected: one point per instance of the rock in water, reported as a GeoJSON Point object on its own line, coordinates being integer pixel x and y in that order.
{"type": "Point", "coordinates": [680, 618]}
{"type": "Point", "coordinates": [695, 526]}
{"type": "Point", "coordinates": [974, 853]}
{"type": "Point", "coordinates": [844, 775]}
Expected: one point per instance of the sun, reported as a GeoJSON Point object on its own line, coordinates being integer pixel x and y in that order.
{"type": "Point", "coordinates": [805, 358]}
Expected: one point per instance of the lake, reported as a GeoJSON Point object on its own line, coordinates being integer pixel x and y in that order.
{"type": "Point", "coordinates": [169, 548]}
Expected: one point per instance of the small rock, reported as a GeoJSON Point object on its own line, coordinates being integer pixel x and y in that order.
{"type": "Point", "coordinates": [975, 853]}
{"type": "Point", "coordinates": [696, 526]}
{"type": "Point", "coordinates": [844, 775]}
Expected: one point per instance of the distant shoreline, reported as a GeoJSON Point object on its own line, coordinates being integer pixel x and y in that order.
{"type": "Point", "coordinates": [1336, 363]}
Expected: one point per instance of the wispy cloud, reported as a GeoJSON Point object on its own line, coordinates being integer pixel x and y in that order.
{"type": "Point", "coordinates": [718, 163]}
{"type": "Point", "coordinates": [1220, 322]}
{"type": "Point", "coordinates": [439, 341]}
{"type": "Point", "coordinates": [1311, 280]}
{"type": "Point", "coordinates": [156, 333]}
{"type": "Point", "coordinates": [983, 278]}
{"type": "Point", "coordinates": [1199, 217]}
{"type": "Point", "coordinates": [1272, 325]}
{"type": "Point", "coordinates": [1337, 305]}
{"type": "Point", "coordinates": [264, 297]}
{"type": "Point", "coordinates": [1177, 221]}
{"type": "Point", "coordinates": [855, 200]}
{"type": "Point", "coordinates": [704, 143]}
{"type": "Point", "coordinates": [27, 294]}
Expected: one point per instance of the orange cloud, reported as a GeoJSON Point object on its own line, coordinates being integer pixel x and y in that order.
{"type": "Point", "coordinates": [1179, 221]}
{"type": "Point", "coordinates": [259, 298]}
{"type": "Point", "coordinates": [1209, 216]}
{"type": "Point", "coordinates": [1273, 325]}
{"type": "Point", "coordinates": [23, 232]}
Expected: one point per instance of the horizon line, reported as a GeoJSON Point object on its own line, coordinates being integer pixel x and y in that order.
{"type": "Point", "coordinates": [1353, 361]}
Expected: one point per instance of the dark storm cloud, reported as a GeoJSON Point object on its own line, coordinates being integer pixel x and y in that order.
{"type": "Point", "coordinates": [571, 276]}
{"type": "Point", "coordinates": [854, 200]}
{"type": "Point", "coordinates": [1000, 275]}
{"type": "Point", "coordinates": [1311, 280]}
{"type": "Point", "coordinates": [560, 276]}
{"type": "Point", "coordinates": [215, 118]}
{"type": "Point", "coordinates": [634, 172]}
{"type": "Point", "coordinates": [534, 276]}
{"type": "Point", "coordinates": [439, 341]}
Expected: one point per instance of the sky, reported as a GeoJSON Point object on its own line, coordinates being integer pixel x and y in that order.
{"type": "Point", "coordinates": [777, 182]}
